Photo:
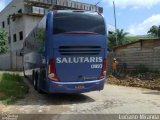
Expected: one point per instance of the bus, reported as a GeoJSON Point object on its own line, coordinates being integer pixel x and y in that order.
{"type": "Point", "coordinates": [66, 52]}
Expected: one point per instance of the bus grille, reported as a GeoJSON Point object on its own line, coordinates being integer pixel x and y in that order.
{"type": "Point", "coordinates": [79, 50]}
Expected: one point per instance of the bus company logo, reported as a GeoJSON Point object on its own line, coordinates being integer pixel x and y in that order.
{"type": "Point", "coordinates": [79, 60]}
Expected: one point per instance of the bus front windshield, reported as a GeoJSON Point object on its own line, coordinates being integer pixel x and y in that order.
{"type": "Point", "coordinates": [78, 22]}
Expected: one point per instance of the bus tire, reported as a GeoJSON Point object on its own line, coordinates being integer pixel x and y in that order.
{"type": "Point", "coordinates": [33, 75]}
{"type": "Point", "coordinates": [35, 80]}
{"type": "Point", "coordinates": [38, 88]}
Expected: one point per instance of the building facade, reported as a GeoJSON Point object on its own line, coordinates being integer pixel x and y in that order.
{"type": "Point", "coordinates": [21, 16]}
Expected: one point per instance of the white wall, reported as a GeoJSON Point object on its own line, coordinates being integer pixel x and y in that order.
{"type": "Point", "coordinates": [23, 23]}
{"type": "Point", "coordinates": [5, 62]}
{"type": "Point", "coordinates": [15, 26]}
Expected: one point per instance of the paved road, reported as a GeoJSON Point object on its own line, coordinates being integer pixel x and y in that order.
{"type": "Point", "coordinates": [112, 100]}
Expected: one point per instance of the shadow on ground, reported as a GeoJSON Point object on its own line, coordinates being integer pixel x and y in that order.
{"type": "Point", "coordinates": [34, 98]}
{"type": "Point", "coordinates": [152, 93]}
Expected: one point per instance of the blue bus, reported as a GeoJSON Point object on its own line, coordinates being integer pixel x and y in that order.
{"type": "Point", "coordinates": [66, 52]}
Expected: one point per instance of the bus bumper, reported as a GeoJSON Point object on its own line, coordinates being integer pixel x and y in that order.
{"type": "Point", "coordinates": [75, 87]}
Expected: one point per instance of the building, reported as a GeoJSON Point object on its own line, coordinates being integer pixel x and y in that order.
{"type": "Point", "coordinates": [143, 51]}
{"type": "Point", "coordinates": [21, 16]}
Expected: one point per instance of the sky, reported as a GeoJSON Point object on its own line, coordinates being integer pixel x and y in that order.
{"type": "Point", "coordinates": [134, 16]}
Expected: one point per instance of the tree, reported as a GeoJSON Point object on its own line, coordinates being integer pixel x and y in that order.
{"type": "Point", "coordinates": [121, 38]}
{"type": "Point", "coordinates": [111, 41]}
{"type": "Point", "coordinates": [3, 41]}
{"type": "Point", "coordinates": [154, 31]}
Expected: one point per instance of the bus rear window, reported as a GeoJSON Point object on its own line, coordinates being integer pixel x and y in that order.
{"type": "Point", "coordinates": [78, 22]}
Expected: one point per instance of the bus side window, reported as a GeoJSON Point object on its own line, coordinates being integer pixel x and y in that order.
{"type": "Point", "coordinates": [41, 36]}
{"type": "Point", "coordinates": [47, 25]}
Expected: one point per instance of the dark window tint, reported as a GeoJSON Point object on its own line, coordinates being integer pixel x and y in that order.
{"type": "Point", "coordinates": [3, 24]}
{"type": "Point", "coordinates": [78, 22]}
{"type": "Point", "coordinates": [13, 17]}
{"type": "Point", "coordinates": [14, 38]}
{"type": "Point", "coordinates": [21, 35]}
{"type": "Point", "coordinates": [20, 11]}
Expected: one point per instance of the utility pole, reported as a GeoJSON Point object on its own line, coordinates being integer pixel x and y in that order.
{"type": "Point", "coordinates": [115, 21]}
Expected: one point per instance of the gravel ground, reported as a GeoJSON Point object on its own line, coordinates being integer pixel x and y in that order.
{"type": "Point", "coordinates": [120, 100]}
{"type": "Point", "coordinates": [112, 100]}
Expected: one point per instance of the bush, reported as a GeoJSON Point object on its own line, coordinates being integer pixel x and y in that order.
{"type": "Point", "coordinates": [3, 41]}
{"type": "Point", "coordinates": [12, 88]}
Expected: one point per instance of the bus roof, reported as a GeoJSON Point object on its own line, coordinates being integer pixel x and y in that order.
{"type": "Point", "coordinates": [78, 11]}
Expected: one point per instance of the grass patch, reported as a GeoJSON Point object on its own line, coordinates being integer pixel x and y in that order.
{"type": "Point", "coordinates": [12, 88]}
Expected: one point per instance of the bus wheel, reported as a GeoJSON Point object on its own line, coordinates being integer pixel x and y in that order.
{"type": "Point", "coordinates": [35, 80]}
{"type": "Point", "coordinates": [38, 85]}
{"type": "Point", "coordinates": [33, 75]}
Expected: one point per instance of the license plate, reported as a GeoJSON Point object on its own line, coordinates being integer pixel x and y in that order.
{"type": "Point", "coordinates": [79, 86]}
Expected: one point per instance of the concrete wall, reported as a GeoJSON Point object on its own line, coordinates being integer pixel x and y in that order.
{"type": "Point", "coordinates": [24, 23]}
{"type": "Point", "coordinates": [77, 5]}
{"type": "Point", "coordinates": [29, 23]}
{"type": "Point", "coordinates": [15, 26]}
{"type": "Point", "coordinates": [5, 62]}
{"type": "Point", "coordinates": [17, 62]}
{"type": "Point", "coordinates": [147, 53]}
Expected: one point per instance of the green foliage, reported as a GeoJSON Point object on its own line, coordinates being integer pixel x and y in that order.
{"type": "Point", "coordinates": [136, 38]}
{"type": "Point", "coordinates": [112, 41]}
{"type": "Point", "coordinates": [154, 31]}
{"type": "Point", "coordinates": [3, 41]}
{"type": "Point", "coordinates": [132, 38]}
{"type": "Point", "coordinates": [121, 38]}
{"type": "Point", "coordinates": [12, 88]}
{"type": "Point", "coordinates": [41, 39]}
{"type": "Point", "coordinates": [141, 68]}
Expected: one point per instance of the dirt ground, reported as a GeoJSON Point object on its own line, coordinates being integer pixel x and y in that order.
{"type": "Point", "coordinates": [152, 83]}
{"type": "Point", "coordinates": [112, 100]}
